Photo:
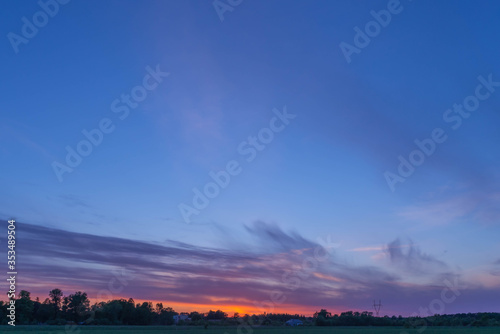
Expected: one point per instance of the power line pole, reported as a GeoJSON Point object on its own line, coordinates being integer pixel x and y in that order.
{"type": "Point", "coordinates": [377, 306]}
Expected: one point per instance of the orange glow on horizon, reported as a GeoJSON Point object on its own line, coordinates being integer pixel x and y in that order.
{"type": "Point", "coordinates": [230, 309]}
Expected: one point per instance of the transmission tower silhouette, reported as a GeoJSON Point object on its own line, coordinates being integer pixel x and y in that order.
{"type": "Point", "coordinates": [377, 307]}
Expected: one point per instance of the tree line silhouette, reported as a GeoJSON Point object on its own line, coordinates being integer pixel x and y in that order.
{"type": "Point", "coordinates": [58, 309]}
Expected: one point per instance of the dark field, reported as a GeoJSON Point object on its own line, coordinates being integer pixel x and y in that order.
{"type": "Point", "coordinates": [232, 330]}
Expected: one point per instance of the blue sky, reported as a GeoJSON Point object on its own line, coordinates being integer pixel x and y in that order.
{"type": "Point", "coordinates": [323, 174]}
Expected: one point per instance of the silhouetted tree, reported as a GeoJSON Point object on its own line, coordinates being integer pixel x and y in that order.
{"type": "Point", "coordinates": [144, 313]}
{"type": "Point", "coordinates": [78, 306]}
{"type": "Point", "coordinates": [56, 296]}
{"type": "Point", "coordinates": [45, 312]}
{"type": "Point", "coordinates": [24, 308]}
{"type": "Point", "coordinates": [216, 315]}
{"type": "Point", "coordinates": [195, 316]}
{"type": "Point", "coordinates": [75, 307]}
{"type": "Point", "coordinates": [166, 316]}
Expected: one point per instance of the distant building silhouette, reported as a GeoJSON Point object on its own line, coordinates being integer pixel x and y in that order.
{"type": "Point", "coordinates": [294, 322]}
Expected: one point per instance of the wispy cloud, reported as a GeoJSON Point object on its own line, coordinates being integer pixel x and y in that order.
{"type": "Point", "coordinates": [367, 249]}
{"type": "Point", "coordinates": [377, 248]}
{"type": "Point", "coordinates": [192, 276]}
{"type": "Point", "coordinates": [413, 259]}
{"type": "Point", "coordinates": [272, 235]}
{"type": "Point", "coordinates": [71, 200]}
{"type": "Point", "coordinates": [476, 206]}
{"type": "Point", "coordinates": [437, 213]}
{"type": "Point", "coordinates": [496, 268]}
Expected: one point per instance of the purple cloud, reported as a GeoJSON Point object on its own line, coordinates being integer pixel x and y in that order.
{"type": "Point", "coordinates": [306, 277]}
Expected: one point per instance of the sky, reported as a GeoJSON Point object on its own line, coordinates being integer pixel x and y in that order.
{"type": "Point", "coordinates": [255, 156]}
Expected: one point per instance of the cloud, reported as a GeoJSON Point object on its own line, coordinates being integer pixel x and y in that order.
{"type": "Point", "coordinates": [74, 201]}
{"type": "Point", "coordinates": [367, 249]}
{"type": "Point", "coordinates": [193, 277]}
{"type": "Point", "coordinates": [272, 235]}
{"type": "Point", "coordinates": [413, 259]}
{"type": "Point", "coordinates": [496, 269]}
{"type": "Point", "coordinates": [440, 212]}
{"type": "Point", "coordinates": [18, 131]}
{"type": "Point", "coordinates": [474, 205]}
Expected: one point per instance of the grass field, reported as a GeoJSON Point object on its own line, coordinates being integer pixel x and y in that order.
{"type": "Point", "coordinates": [263, 330]}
